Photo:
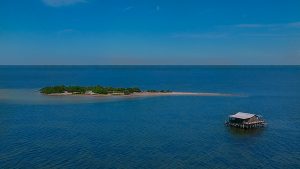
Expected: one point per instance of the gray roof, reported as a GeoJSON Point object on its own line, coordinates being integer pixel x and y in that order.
{"type": "Point", "coordinates": [241, 115]}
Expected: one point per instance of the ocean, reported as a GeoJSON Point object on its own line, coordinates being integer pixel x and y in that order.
{"type": "Point", "coordinates": [38, 131]}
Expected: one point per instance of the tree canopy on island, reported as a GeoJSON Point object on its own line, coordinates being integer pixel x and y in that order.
{"type": "Point", "coordinates": [95, 89]}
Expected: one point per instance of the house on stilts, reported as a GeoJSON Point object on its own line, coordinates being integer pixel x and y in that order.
{"type": "Point", "coordinates": [245, 120]}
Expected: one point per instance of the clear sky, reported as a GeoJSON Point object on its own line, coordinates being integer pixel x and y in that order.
{"type": "Point", "coordinates": [100, 32]}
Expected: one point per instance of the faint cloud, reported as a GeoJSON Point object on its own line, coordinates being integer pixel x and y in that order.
{"type": "Point", "coordinates": [59, 3]}
{"type": "Point", "coordinates": [248, 26]}
{"type": "Point", "coordinates": [66, 32]}
{"type": "Point", "coordinates": [200, 35]}
{"type": "Point", "coordinates": [223, 35]}
{"type": "Point", "coordinates": [270, 35]}
{"type": "Point", "coordinates": [275, 25]}
{"type": "Point", "coordinates": [157, 8]}
{"type": "Point", "coordinates": [128, 8]}
{"type": "Point", "coordinates": [294, 24]}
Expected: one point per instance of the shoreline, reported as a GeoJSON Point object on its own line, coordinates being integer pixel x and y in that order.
{"type": "Point", "coordinates": [145, 94]}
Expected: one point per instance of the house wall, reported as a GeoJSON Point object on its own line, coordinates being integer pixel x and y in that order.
{"type": "Point", "coordinates": [252, 119]}
{"type": "Point", "coordinates": [234, 120]}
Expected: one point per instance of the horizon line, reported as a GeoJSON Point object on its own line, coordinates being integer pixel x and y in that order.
{"type": "Point", "coordinates": [149, 64]}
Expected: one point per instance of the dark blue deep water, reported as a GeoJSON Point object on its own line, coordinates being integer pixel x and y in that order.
{"type": "Point", "coordinates": [39, 131]}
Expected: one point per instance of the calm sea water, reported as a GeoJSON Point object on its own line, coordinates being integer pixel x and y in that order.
{"type": "Point", "coordinates": [157, 132]}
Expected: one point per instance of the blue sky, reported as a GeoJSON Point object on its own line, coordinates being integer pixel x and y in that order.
{"type": "Point", "coordinates": [184, 32]}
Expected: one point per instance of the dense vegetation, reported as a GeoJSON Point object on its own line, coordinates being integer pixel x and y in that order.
{"type": "Point", "coordinates": [95, 89]}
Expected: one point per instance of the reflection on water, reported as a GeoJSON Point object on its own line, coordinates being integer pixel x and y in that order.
{"type": "Point", "coordinates": [239, 132]}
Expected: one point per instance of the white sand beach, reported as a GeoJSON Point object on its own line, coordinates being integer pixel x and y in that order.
{"type": "Point", "coordinates": [144, 94]}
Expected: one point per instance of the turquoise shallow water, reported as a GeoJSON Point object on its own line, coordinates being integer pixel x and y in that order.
{"type": "Point", "coordinates": [38, 131]}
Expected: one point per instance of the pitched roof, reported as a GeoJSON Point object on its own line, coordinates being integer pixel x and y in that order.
{"type": "Point", "coordinates": [241, 115]}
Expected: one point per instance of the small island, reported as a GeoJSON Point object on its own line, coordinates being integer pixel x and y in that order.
{"type": "Point", "coordinates": [92, 90]}
{"type": "Point", "coordinates": [98, 90]}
